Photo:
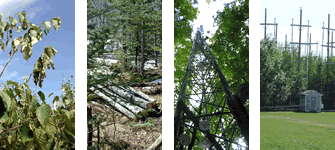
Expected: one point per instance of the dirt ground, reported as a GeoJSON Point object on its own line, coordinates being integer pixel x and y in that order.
{"type": "Point", "coordinates": [126, 133]}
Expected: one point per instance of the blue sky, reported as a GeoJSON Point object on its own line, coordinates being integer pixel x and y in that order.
{"type": "Point", "coordinates": [316, 12]}
{"type": "Point", "coordinates": [62, 40]}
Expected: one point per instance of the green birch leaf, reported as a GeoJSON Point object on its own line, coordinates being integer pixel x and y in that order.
{"type": "Point", "coordinates": [26, 85]}
{"type": "Point", "coordinates": [21, 17]}
{"type": "Point", "coordinates": [42, 96]}
{"type": "Point", "coordinates": [3, 47]}
{"type": "Point", "coordinates": [33, 33]}
{"type": "Point", "coordinates": [27, 51]}
{"type": "Point", "coordinates": [43, 113]}
{"type": "Point", "coordinates": [50, 127]}
{"type": "Point", "coordinates": [45, 32]}
{"type": "Point", "coordinates": [25, 132]}
{"type": "Point", "coordinates": [45, 57]}
{"type": "Point", "coordinates": [6, 26]}
{"type": "Point", "coordinates": [25, 24]}
{"type": "Point", "coordinates": [56, 22]}
{"type": "Point", "coordinates": [6, 99]}
{"type": "Point", "coordinates": [28, 95]}
{"type": "Point", "coordinates": [10, 93]}
{"type": "Point", "coordinates": [56, 98]}
{"type": "Point", "coordinates": [41, 139]}
{"type": "Point", "coordinates": [54, 52]}
{"type": "Point", "coordinates": [24, 14]}
{"type": "Point", "coordinates": [52, 65]}
{"type": "Point", "coordinates": [68, 124]}
{"type": "Point", "coordinates": [47, 26]}
{"type": "Point", "coordinates": [10, 82]}
{"type": "Point", "coordinates": [13, 21]}
{"type": "Point", "coordinates": [59, 104]}
{"type": "Point", "coordinates": [48, 51]}
{"type": "Point", "coordinates": [10, 33]}
{"type": "Point", "coordinates": [7, 42]}
{"type": "Point", "coordinates": [18, 29]}
{"type": "Point", "coordinates": [50, 94]}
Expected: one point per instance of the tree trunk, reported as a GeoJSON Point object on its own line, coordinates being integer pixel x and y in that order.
{"type": "Point", "coordinates": [155, 51]}
{"type": "Point", "coordinates": [98, 124]}
{"type": "Point", "coordinates": [136, 53]}
{"type": "Point", "coordinates": [142, 60]}
{"type": "Point", "coordinates": [90, 128]}
{"type": "Point", "coordinates": [124, 47]}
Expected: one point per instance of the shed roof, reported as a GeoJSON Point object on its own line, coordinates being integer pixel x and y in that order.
{"type": "Point", "coordinates": [311, 92]}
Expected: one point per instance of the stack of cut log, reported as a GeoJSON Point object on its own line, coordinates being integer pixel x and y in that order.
{"type": "Point", "coordinates": [129, 102]}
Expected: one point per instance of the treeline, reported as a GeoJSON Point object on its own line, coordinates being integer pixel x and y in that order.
{"type": "Point", "coordinates": [283, 77]}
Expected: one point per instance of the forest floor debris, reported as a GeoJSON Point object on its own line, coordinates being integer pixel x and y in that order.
{"type": "Point", "coordinates": [127, 133]}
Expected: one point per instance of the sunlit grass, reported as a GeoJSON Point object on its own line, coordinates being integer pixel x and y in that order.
{"type": "Point", "coordinates": [290, 130]}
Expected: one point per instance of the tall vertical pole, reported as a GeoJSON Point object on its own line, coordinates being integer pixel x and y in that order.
{"type": "Point", "coordinates": [310, 41]}
{"type": "Point", "coordinates": [274, 34]}
{"type": "Point", "coordinates": [285, 41]}
{"type": "Point", "coordinates": [322, 52]}
{"type": "Point", "coordinates": [307, 38]}
{"type": "Point", "coordinates": [317, 50]}
{"type": "Point", "coordinates": [300, 37]}
{"type": "Point", "coordinates": [306, 50]}
{"type": "Point", "coordinates": [291, 52]}
{"type": "Point", "coordinates": [322, 41]}
{"type": "Point", "coordinates": [331, 54]}
{"type": "Point", "coordinates": [328, 50]}
{"type": "Point", "coordinates": [276, 30]}
{"type": "Point", "coordinates": [265, 26]}
{"type": "Point", "coordinates": [292, 40]}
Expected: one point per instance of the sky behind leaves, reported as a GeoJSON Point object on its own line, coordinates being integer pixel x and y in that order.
{"type": "Point", "coordinates": [62, 40]}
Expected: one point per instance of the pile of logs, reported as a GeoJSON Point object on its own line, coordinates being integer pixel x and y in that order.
{"type": "Point", "coordinates": [129, 102]}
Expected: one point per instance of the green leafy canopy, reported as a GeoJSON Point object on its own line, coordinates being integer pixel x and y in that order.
{"type": "Point", "coordinates": [24, 122]}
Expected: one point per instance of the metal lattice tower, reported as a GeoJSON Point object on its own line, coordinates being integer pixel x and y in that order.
{"type": "Point", "coordinates": [202, 104]}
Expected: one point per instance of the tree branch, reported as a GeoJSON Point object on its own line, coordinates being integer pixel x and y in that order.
{"type": "Point", "coordinates": [3, 69]}
{"type": "Point", "coordinates": [6, 130]}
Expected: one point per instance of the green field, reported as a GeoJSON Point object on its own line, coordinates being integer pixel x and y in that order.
{"type": "Point", "coordinates": [290, 130]}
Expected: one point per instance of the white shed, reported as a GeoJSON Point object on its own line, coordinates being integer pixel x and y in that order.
{"type": "Point", "coordinates": [311, 101]}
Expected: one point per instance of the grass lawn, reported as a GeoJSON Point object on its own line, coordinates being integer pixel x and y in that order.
{"type": "Point", "coordinates": [290, 130]}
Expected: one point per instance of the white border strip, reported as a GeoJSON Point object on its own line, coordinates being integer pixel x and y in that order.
{"type": "Point", "coordinates": [81, 73]}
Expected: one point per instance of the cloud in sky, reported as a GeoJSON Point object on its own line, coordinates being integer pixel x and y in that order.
{"type": "Point", "coordinates": [8, 77]}
{"type": "Point", "coordinates": [33, 12]}
{"type": "Point", "coordinates": [10, 7]}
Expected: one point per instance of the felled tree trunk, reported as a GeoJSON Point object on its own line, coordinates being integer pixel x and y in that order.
{"type": "Point", "coordinates": [128, 102]}
{"type": "Point", "coordinates": [157, 144]}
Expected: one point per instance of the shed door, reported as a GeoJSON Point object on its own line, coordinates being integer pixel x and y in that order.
{"type": "Point", "coordinates": [308, 103]}
{"type": "Point", "coordinates": [313, 103]}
